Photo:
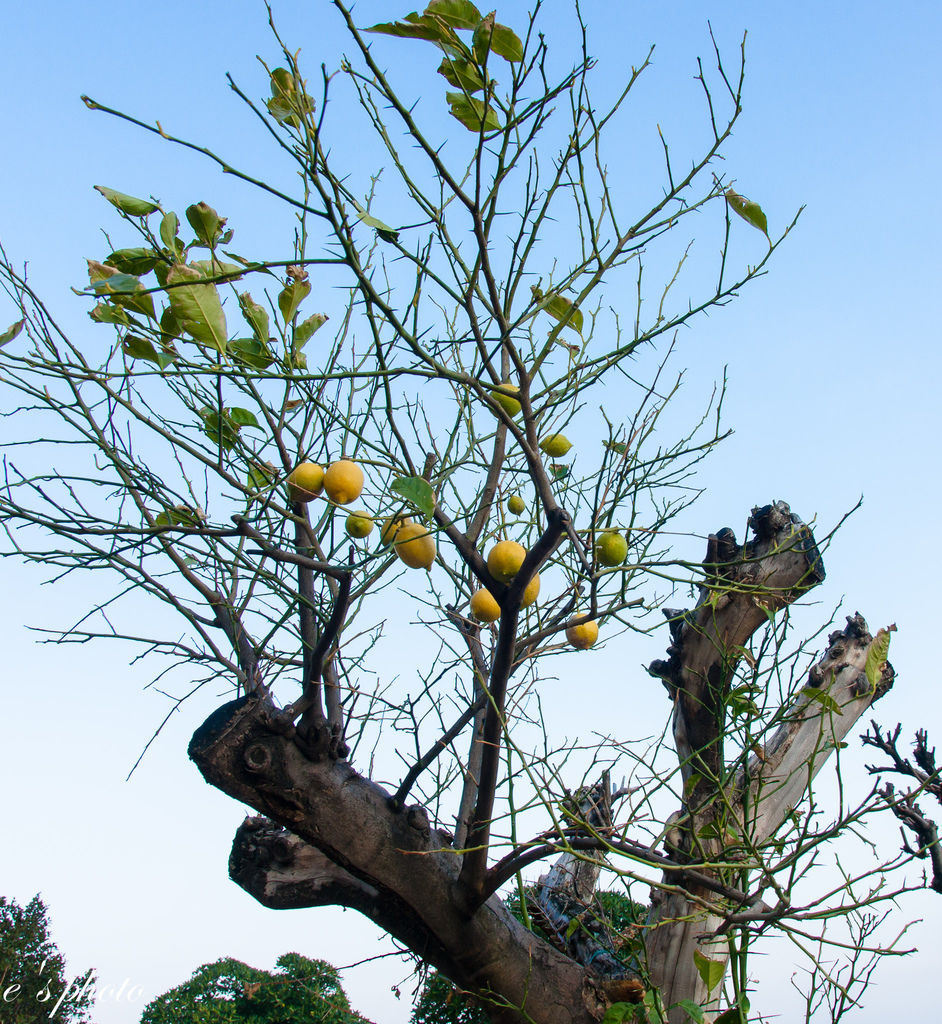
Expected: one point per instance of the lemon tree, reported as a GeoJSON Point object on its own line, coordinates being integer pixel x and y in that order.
{"type": "Point", "coordinates": [473, 324]}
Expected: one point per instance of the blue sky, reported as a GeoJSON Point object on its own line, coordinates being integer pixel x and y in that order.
{"type": "Point", "coordinates": [833, 366]}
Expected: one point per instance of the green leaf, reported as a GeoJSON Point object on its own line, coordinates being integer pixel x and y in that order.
{"type": "Point", "coordinates": [134, 261]}
{"type": "Point", "coordinates": [730, 1016]}
{"type": "Point", "coordinates": [749, 211]}
{"type": "Point", "coordinates": [384, 231]}
{"type": "Point", "coordinates": [618, 1013]}
{"type": "Point", "coordinates": [823, 698]}
{"type": "Point", "coordinates": [207, 225]}
{"type": "Point", "coordinates": [291, 296]}
{"type": "Point", "coordinates": [179, 515]}
{"type": "Point", "coordinates": [559, 471]}
{"type": "Point", "coordinates": [558, 307]}
{"type": "Point", "coordinates": [169, 226]}
{"type": "Point", "coordinates": [693, 780]}
{"type": "Point", "coordinates": [108, 280]}
{"type": "Point", "coordinates": [616, 446]}
{"type": "Point", "coordinates": [11, 332]}
{"type": "Point", "coordinates": [572, 927]}
{"type": "Point", "coordinates": [105, 314]}
{"type": "Point", "coordinates": [462, 74]}
{"type": "Point", "coordinates": [197, 307]}
{"type": "Point", "coordinates": [711, 971]}
{"type": "Point", "coordinates": [261, 475]}
{"type": "Point", "coordinates": [213, 269]}
{"type": "Point", "coordinates": [121, 288]}
{"type": "Point", "coordinates": [470, 111]}
{"type": "Point", "coordinates": [139, 348]}
{"type": "Point", "coordinates": [305, 330]}
{"type": "Point", "coordinates": [242, 417]}
{"type": "Point", "coordinates": [693, 1010]}
{"type": "Point", "coordinates": [481, 40]}
{"type": "Point", "coordinates": [256, 317]}
{"type": "Point", "coordinates": [652, 1007]}
{"type": "Point", "coordinates": [127, 204]}
{"type": "Point", "coordinates": [505, 43]}
{"type": "Point", "coordinates": [414, 26]}
{"type": "Point", "coordinates": [457, 13]}
{"type": "Point", "coordinates": [876, 657]}
{"type": "Point", "coordinates": [169, 325]}
{"type": "Point", "coordinates": [418, 492]}
{"type": "Point", "coordinates": [251, 352]}
{"type": "Point", "coordinates": [288, 103]}
{"type": "Point", "coordinates": [219, 429]}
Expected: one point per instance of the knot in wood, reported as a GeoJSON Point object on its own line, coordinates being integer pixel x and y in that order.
{"type": "Point", "coordinates": [417, 818]}
{"type": "Point", "coordinates": [257, 758]}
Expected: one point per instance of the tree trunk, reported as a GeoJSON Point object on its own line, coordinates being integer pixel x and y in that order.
{"type": "Point", "coordinates": [392, 867]}
{"type": "Point", "coordinates": [335, 837]}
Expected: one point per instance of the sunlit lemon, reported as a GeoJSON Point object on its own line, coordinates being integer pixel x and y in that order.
{"type": "Point", "coordinates": [510, 405]}
{"type": "Point", "coordinates": [415, 546]}
{"type": "Point", "coordinates": [583, 636]}
{"type": "Point", "coordinates": [343, 482]}
{"type": "Point", "coordinates": [505, 559]}
{"type": "Point", "coordinates": [483, 606]}
{"type": "Point", "coordinates": [305, 482]}
{"type": "Point", "coordinates": [391, 528]}
{"type": "Point", "coordinates": [532, 591]}
{"type": "Point", "coordinates": [555, 445]}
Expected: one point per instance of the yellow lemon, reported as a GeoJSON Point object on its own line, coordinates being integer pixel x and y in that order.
{"type": "Point", "coordinates": [305, 482]}
{"type": "Point", "coordinates": [515, 504]}
{"type": "Point", "coordinates": [505, 559]}
{"type": "Point", "coordinates": [415, 546]}
{"type": "Point", "coordinates": [359, 524]}
{"type": "Point", "coordinates": [582, 637]}
{"type": "Point", "coordinates": [391, 528]}
{"type": "Point", "coordinates": [510, 405]}
{"type": "Point", "coordinates": [532, 591]}
{"type": "Point", "coordinates": [343, 482]}
{"type": "Point", "coordinates": [611, 548]}
{"type": "Point", "coordinates": [555, 445]}
{"type": "Point", "coordinates": [483, 606]}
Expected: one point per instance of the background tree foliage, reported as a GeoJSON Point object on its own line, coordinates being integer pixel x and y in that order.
{"type": "Point", "coordinates": [298, 991]}
{"type": "Point", "coordinates": [33, 977]}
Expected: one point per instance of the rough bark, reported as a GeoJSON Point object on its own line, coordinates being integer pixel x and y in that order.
{"type": "Point", "coordinates": [408, 873]}
{"type": "Point", "coordinates": [743, 586]}
{"type": "Point", "coordinates": [335, 837]}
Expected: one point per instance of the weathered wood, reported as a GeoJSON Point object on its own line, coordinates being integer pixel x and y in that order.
{"type": "Point", "coordinates": [743, 586]}
{"type": "Point", "coordinates": [335, 837]}
{"type": "Point", "coordinates": [245, 750]}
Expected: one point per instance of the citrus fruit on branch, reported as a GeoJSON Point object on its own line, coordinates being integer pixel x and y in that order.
{"type": "Point", "coordinates": [305, 482]}
{"type": "Point", "coordinates": [584, 635]}
{"type": "Point", "coordinates": [359, 524]}
{"type": "Point", "coordinates": [484, 607]}
{"type": "Point", "coordinates": [415, 546]}
{"type": "Point", "coordinates": [510, 405]}
{"type": "Point", "coordinates": [505, 559]}
{"type": "Point", "coordinates": [611, 548]}
{"type": "Point", "coordinates": [555, 445]}
{"type": "Point", "coordinates": [343, 482]}
{"type": "Point", "coordinates": [391, 528]}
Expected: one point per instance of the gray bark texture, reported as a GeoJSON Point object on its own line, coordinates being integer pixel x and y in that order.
{"type": "Point", "coordinates": [331, 836]}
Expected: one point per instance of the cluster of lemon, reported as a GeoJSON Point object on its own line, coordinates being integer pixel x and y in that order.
{"type": "Point", "coordinates": [342, 482]}
{"type": "Point", "coordinates": [503, 562]}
